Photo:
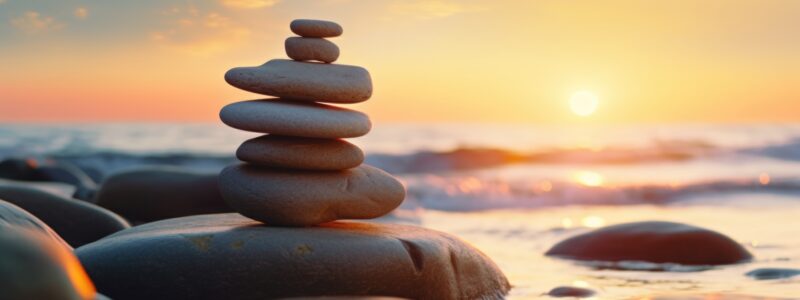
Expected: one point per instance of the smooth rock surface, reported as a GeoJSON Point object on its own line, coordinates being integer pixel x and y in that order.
{"type": "Point", "coordinates": [570, 291]}
{"type": "Point", "coordinates": [304, 198]}
{"type": "Point", "coordinates": [12, 216]}
{"type": "Point", "coordinates": [152, 194]}
{"type": "Point", "coordinates": [290, 118]}
{"type": "Point", "coordinates": [228, 256]}
{"type": "Point", "coordinates": [773, 273]}
{"type": "Point", "coordinates": [656, 242]}
{"type": "Point", "coordinates": [315, 28]}
{"type": "Point", "coordinates": [305, 49]}
{"type": "Point", "coordinates": [76, 221]}
{"type": "Point", "coordinates": [300, 153]}
{"type": "Point", "coordinates": [307, 81]}
{"type": "Point", "coordinates": [34, 266]}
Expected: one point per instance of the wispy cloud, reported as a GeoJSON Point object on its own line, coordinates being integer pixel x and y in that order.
{"type": "Point", "coordinates": [249, 3]}
{"type": "Point", "coordinates": [33, 22]}
{"type": "Point", "coordinates": [429, 9]}
{"type": "Point", "coordinates": [201, 33]}
{"type": "Point", "coordinates": [81, 13]}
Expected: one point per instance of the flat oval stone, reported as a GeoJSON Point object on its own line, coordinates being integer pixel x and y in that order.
{"type": "Point", "coordinates": [315, 28]}
{"type": "Point", "coordinates": [656, 242]}
{"type": "Point", "coordinates": [305, 198]}
{"type": "Point", "coordinates": [227, 256]}
{"type": "Point", "coordinates": [291, 118]}
{"type": "Point", "coordinates": [302, 49]}
{"type": "Point", "coordinates": [304, 81]}
{"type": "Point", "coordinates": [300, 153]}
{"type": "Point", "coordinates": [77, 222]}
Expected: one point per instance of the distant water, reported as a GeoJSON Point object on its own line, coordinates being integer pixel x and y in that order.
{"type": "Point", "coordinates": [514, 190]}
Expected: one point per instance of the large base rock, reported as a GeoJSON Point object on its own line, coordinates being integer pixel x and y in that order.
{"type": "Point", "coordinates": [655, 242]}
{"type": "Point", "coordinates": [228, 256]}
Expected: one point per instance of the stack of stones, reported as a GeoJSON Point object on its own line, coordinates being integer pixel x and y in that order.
{"type": "Point", "coordinates": [301, 173]}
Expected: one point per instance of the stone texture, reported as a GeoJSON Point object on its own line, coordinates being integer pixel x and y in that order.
{"type": "Point", "coordinates": [231, 257]}
{"type": "Point", "coordinates": [315, 28]}
{"type": "Point", "coordinates": [300, 153]}
{"type": "Point", "coordinates": [304, 198]}
{"type": "Point", "coordinates": [283, 117]}
{"type": "Point", "coordinates": [34, 266]}
{"type": "Point", "coordinates": [304, 81]}
{"type": "Point", "coordinates": [12, 216]}
{"type": "Point", "coordinates": [303, 49]}
{"type": "Point", "coordinates": [77, 222]}
{"type": "Point", "coordinates": [152, 194]}
{"type": "Point", "coordinates": [656, 242]}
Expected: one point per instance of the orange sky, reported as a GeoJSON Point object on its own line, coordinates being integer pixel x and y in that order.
{"type": "Point", "coordinates": [439, 60]}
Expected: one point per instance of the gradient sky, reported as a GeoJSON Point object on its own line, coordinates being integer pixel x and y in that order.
{"type": "Point", "coordinates": [439, 60]}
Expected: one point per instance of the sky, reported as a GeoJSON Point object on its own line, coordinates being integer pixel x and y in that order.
{"type": "Point", "coordinates": [430, 61]}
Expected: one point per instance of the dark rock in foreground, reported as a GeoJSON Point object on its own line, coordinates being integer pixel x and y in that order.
{"type": "Point", "coordinates": [656, 242]}
{"type": "Point", "coordinates": [228, 256]}
{"type": "Point", "coordinates": [77, 222]}
{"type": "Point", "coordinates": [161, 193]}
{"type": "Point", "coordinates": [11, 216]}
{"type": "Point", "coordinates": [773, 273]}
{"type": "Point", "coordinates": [569, 291]}
{"type": "Point", "coordinates": [33, 266]}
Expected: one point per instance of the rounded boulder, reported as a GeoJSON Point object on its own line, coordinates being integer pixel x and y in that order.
{"type": "Point", "coordinates": [655, 242]}
{"type": "Point", "coordinates": [228, 256]}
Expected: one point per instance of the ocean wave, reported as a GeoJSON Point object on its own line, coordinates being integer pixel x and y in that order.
{"type": "Point", "coordinates": [455, 193]}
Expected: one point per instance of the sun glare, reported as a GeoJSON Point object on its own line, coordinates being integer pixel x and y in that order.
{"type": "Point", "coordinates": [583, 103]}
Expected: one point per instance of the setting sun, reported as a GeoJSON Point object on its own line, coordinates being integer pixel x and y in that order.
{"type": "Point", "coordinates": [583, 103]}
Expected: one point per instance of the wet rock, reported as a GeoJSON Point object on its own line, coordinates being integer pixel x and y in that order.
{"type": "Point", "coordinates": [12, 216]}
{"type": "Point", "coordinates": [570, 291]}
{"type": "Point", "coordinates": [147, 195]}
{"type": "Point", "coordinates": [34, 266]}
{"type": "Point", "coordinates": [77, 222]}
{"type": "Point", "coordinates": [656, 242]}
{"type": "Point", "coordinates": [229, 256]}
{"type": "Point", "coordinates": [773, 273]}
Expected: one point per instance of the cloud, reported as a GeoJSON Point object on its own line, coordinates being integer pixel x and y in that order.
{"type": "Point", "coordinates": [192, 31]}
{"type": "Point", "coordinates": [81, 13]}
{"type": "Point", "coordinates": [32, 22]}
{"type": "Point", "coordinates": [430, 9]}
{"type": "Point", "coordinates": [249, 4]}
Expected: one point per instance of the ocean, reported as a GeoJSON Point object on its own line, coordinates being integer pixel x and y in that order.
{"type": "Point", "coordinates": [514, 190]}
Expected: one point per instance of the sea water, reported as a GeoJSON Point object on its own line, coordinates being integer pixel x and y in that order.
{"type": "Point", "coordinates": [514, 190]}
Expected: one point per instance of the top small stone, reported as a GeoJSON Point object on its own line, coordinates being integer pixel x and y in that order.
{"type": "Point", "coordinates": [315, 28]}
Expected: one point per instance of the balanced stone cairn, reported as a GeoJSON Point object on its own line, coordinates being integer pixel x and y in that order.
{"type": "Point", "coordinates": [301, 173]}
{"type": "Point", "coordinates": [295, 183]}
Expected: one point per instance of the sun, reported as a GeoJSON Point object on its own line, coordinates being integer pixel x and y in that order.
{"type": "Point", "coordinates": [583, 103]}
